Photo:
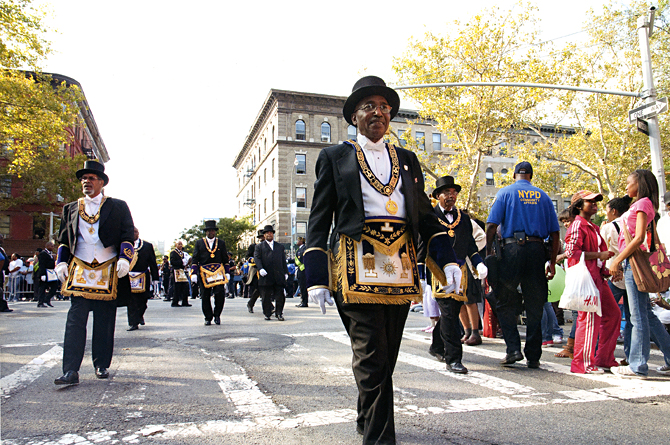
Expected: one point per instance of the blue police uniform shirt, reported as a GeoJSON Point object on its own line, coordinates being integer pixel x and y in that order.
{"type": "Point", "coordinates": [523, 207]}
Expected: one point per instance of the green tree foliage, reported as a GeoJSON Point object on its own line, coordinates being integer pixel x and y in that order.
{"type": "Point", "coordinates": [493, 46]}
{"type": "Point", "coordinates": [35, 111]}
{"type": "Point", "coordinates": [231, 230]}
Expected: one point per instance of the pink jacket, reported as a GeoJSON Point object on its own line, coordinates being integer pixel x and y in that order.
{"type": "Point", "coordinates": [584, 236]}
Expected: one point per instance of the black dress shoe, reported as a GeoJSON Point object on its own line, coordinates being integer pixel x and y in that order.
{"type": "Point", "coordinates": [208, 322]}
{"type": "Point", "coordinates": [251, 310]}
{"type": "Point", "coordinates": [175, 305]}
{"type": "Point", "coordinates": [101, 373]}
{"type": "Point", "coordinates": [437, 355]}
{"type": "Point", "coordinates": [132, 328]}
{"type": "Point", "coordinates": [280, 317]}
{"type": "Point", "coordinates": [359, 429]}
{"type": "Point", "coordinates": [50, 305]}
{"type": "Point", "coordinates": [41, 305]}
{"type": "Point", "coordinates": [457, 368]}
{"type": "Point", "coordinates": [6, 310]}
{"type": "Point", "coordinates": [533, 364]}
{"type": "Point", "coordinates": [69, 378]}
{"type": "Point", "coordinates": [186, 305]}
{"type": "Point", "coordinates": [301, 305]}
{"type": "Point", "coordinates": [142, 322]}
{"type": "Point", "coordinates": [268, 318]}
{"type": "Point", "coordinates": [217, 320]}
{"type": "Point", "coordinates": [512, 358]}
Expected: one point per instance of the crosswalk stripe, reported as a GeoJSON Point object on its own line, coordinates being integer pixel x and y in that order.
{"type": "Point", "coordinates": [31, 371]}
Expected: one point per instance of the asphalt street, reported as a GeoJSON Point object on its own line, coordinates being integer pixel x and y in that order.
{"type": "Point", "coordinates": [251, 381]}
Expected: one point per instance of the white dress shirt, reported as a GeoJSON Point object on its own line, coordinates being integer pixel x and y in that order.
{"type": "Point", "coordinates": [449, 216]}
{"type": "Point", "coordinates": [271, 244]}
{"type": "Point", "coordinates": [89, 246]}
{"type": "Point", "coordinates": [210, 242]}
{"type": "Point", "coordinates": [379, 161]}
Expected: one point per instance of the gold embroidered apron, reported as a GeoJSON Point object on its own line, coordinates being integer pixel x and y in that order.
{"type": "Point", "coordinates": [138, 282]}
{"type": "Point", "coordinates": [93, 281]}
{"type": "Point", "coordinates": [213, 274]}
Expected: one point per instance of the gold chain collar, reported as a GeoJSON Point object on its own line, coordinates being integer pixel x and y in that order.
{"type": "Point", "coordinates": [213, 249]}
{"type": "Point", "coordinates": [452, 225]}
{"type": "Point", "coordinates": [386, 190]}
{"type": "Point", "coordinates": [86, 217]}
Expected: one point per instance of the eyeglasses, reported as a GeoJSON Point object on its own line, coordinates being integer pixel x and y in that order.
{"type": "Point", "coordinates": [371, 108]}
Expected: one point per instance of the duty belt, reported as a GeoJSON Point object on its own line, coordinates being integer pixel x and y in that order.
{"type": "Point", "coordinates": [528, 239]}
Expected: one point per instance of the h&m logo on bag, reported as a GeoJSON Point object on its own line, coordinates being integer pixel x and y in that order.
{"type": "Point", "coordinates": [529, 196]}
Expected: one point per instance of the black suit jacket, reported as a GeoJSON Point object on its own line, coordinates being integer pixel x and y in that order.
{"type": "Point", "coordinates": [251, 250]}
{"type": "Point", "coordinates": [338, 198]}
{"type": "Point", "coordinates": [176, 261]}
{"type": "Point", "coordinates": [274, 263]}
{"type": "Point", "coordinates": [46, 261]}
{"type": "Point", "coordinates": [115, 224]}
{"type": "Point", "coordinates": [202, 256]}
{"type": "Point", "coordinates": [463, 242]}
{"type": "Point", "coordinates": [146, 260]}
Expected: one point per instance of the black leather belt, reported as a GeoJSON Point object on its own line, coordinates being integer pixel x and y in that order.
{"type": "Point", "coordinates": [529, 239]}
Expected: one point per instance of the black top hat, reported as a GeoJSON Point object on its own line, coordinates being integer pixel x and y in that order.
{"type": "Point", "coordinates": [366, 87]}
{"type": "Point", "coordinates": [268, 228]}
{"type": "Point", "coordinates": [94, 167]}
{"type": "Point", "coordinates": [260, 234]}
{"type": "Point", "coordinates": [443, 183]}
{"type": "Point", "coordinates": [210, 224]}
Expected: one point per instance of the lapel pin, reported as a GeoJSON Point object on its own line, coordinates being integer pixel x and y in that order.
{"type": "Point", "coordinates": [416, 180]}
{"type": "Point", "coordinates": [405, 167]}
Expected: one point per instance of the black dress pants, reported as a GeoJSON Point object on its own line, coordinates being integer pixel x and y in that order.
{"type": "Point", "coordinates": [522, 265]}
{"type": "Point", "coordinates": [137, 306]}
{"type": "Point", "coordinates": [375, 331]}
{"type": "Point", "coordinates": [447, 331]}
{"type": "Point", "coordinates": [302, 282]}
{"type": "Point", "coordinates": [46, 291]}
{"type": "Point", "coordinates": [219, 293]}
{"type": "Point", "coordinates": [273, 292]}
{"type": "Point", "coordinates": [102, 347]}
{"type": "Point", "coordinates": [180, 293]}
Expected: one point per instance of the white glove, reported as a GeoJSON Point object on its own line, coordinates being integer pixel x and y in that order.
{"type": "Point", "coordinates": [482, 270]}
{"type": "Point", "coordinates": [321, 296]}
{"type": "Point", "coordinates": [285, 277]}
{"type": "Point", "coordinates": [453, 274]}
{"type": "Point", "coordinates": [228, 276]}
{"type": "Point", "coordinates": [43, 278]}
{"type": "Point", "coordinates": [61, 271]}
{"type": "Point", "coordinates": [122, 267]}
{"type": "Point", "coordinates": [262, 272]}
{"type": "Point", "coordinates": [423, 286]}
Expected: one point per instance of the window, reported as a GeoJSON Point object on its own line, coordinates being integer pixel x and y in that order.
{"type": "Point", "coordinates": [325, 132]}
{"type": "Point", "coordinates": [503, 149]}
{"type": "Point", "coordinates": [566, 204]}
{"type": "Point", "coordinates": [301, 167]}
{"type": "Point", "coordinates": [301, 227]}
{"type": "Point", "coordinates": [504, 171]}
{"type": "Point", "coordinates": [273, 200]}
{"type": "Point", "coordinates": [265, 206]}
{"type": "Point", "coordinates": [489, 176]}
{"type": "Point", "coordinates": [4, 224]}
{"type": "Point", "coordinates": [421, 140]}
{"type": "Point", "coordinates": [265, 146]}
{"type": "Point", "coordinates": [300, 134]}
{"type": "Point", "coordinates": [301, 196]}
{"type": "Point", "coordinates": [401, 138]}
{"type": "Point", "coordinates": [437, 141]}
{"type": "Point", "coordinates": [5, 187]}
{"type": "Point", "coordinates": [273, 167]}
{"type": "Point", "coordinates": [555, 202]}
{"type": "Point", "coordinates": [351, 132]}
{"type": "Point", "coordinates": [273, 135]}
{"type": "Point", "coordinates": [265, 176]}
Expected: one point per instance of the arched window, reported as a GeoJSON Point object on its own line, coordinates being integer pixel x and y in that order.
{"type": "Point", "coordinates": [489, 176]}
{"type": "Point", "coordinates": [351, 132]}
{"type": "Point", "coordinates": [325, 132]}
{"type": "Point", "coordinates": [273, 135]}
{"type": "Point", "coordinates": [300, 133]}
{"type": "Point", "coordinates": [504, 171]}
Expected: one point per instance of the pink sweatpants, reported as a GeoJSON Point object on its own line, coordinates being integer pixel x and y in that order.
{"type": "Point", "coordinates": [593, 331]}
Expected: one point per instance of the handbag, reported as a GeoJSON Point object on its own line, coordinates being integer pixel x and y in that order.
{"type": "Point", "coordinates": [651, 270]}
{"type": "Point", "coordinates": [580, 292]}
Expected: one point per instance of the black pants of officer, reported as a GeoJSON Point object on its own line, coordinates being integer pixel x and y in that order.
{"type": "Point", "coordinates": [102, 347]}
{"type": "Point", "coordinates": [47, 290]}
{"type": "Point", "coordinates": [273, 292]}
{"type": "Point", "coordinates": [447, 331]}
{"type": "Point", "coordinates": [206, 293]}
{"type": "Point", "coordinates": [375, 331]}
{"type": "Point", "coordinates": [137, 306]}
{"type": "Point", "coordinates": [522, 265]}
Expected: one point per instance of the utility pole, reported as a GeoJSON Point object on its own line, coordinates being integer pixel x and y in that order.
{"type": "Point", "coordinates": [51, 224]}
{"type": "Point", "coordinates": [645, 28]}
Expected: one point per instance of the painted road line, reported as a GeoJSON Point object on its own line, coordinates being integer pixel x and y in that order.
{"type": "Point", "coordinates": [30, 372]}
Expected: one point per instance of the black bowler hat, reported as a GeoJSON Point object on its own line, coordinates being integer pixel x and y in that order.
{"type": "Point", "coordinates": [524, 168]}
{"type": "Point", "coordinates": [268, 228]}
{"type": "Point", "coordinates": [443, 183]}
{"type": "Point", "coordinates": [260, 234]}
{"type": "Point", "coordinates": [366, 87]}
{"type": "Point", "coordinates": [94, 167]}
{"type": "Point", "coordinates": [210, 224]}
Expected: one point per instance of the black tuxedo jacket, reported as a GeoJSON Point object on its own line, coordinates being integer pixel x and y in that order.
{"type": "Point", "coordinates": [274, 263]}
{"type": "Point", "coordinates": [251, 250]}
{"type": "Point", "coordinates": [176, 261]}
{"type": "Point", "coordinates": [115, 224]}
{"type": "Point", "coordinates": [146, 260]}
{"type": "Point", "coordinates": [202, 256]}
{"type": "Point", "coordinates": [463, 243]}
{"type": "Point", "coordinates": [45, 261]}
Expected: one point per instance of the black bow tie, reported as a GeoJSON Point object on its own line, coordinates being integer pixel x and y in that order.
{"type": "Point", "coordinates": [450, 212]}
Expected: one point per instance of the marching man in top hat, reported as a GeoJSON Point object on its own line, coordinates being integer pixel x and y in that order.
{"type": "Point", "coordinates": [270, 260]}
{"type": "Point", "coordinates": [210, 262]}
{"type": "Point", "coordinates": [94, 257]}
{"type": "Point", "coordinates": [374, 195]}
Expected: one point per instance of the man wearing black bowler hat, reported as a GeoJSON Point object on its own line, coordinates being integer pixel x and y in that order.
{"type": "Point", "coordinates": [374, 194]}
{"type": "Point", "coordinates": [210, 262]}
{"type": "Point", "coordinates": [94, 258]}
{"type": "Point", "coordinates": [251, 288]}
{"type": "Point", "coordinates": [270, 260]}
{"type": "Point", "coordinates": [526, 217]}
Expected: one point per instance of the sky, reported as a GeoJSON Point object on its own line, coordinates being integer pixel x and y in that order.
{"type": "Point", "coordinates": [175, 86]}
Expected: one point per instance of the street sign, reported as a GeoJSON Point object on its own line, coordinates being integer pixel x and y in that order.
{"type": "Point", "coordinates": [642, 126]}
{"type": "Point", "coordinates": [648, 110]}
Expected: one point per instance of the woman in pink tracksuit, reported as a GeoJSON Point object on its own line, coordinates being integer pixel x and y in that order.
{"type": "Point", "coordinates": [592, 330]}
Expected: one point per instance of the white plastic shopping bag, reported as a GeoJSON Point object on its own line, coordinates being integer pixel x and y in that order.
{"type": "Point", "coordinates": [580, 292]}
